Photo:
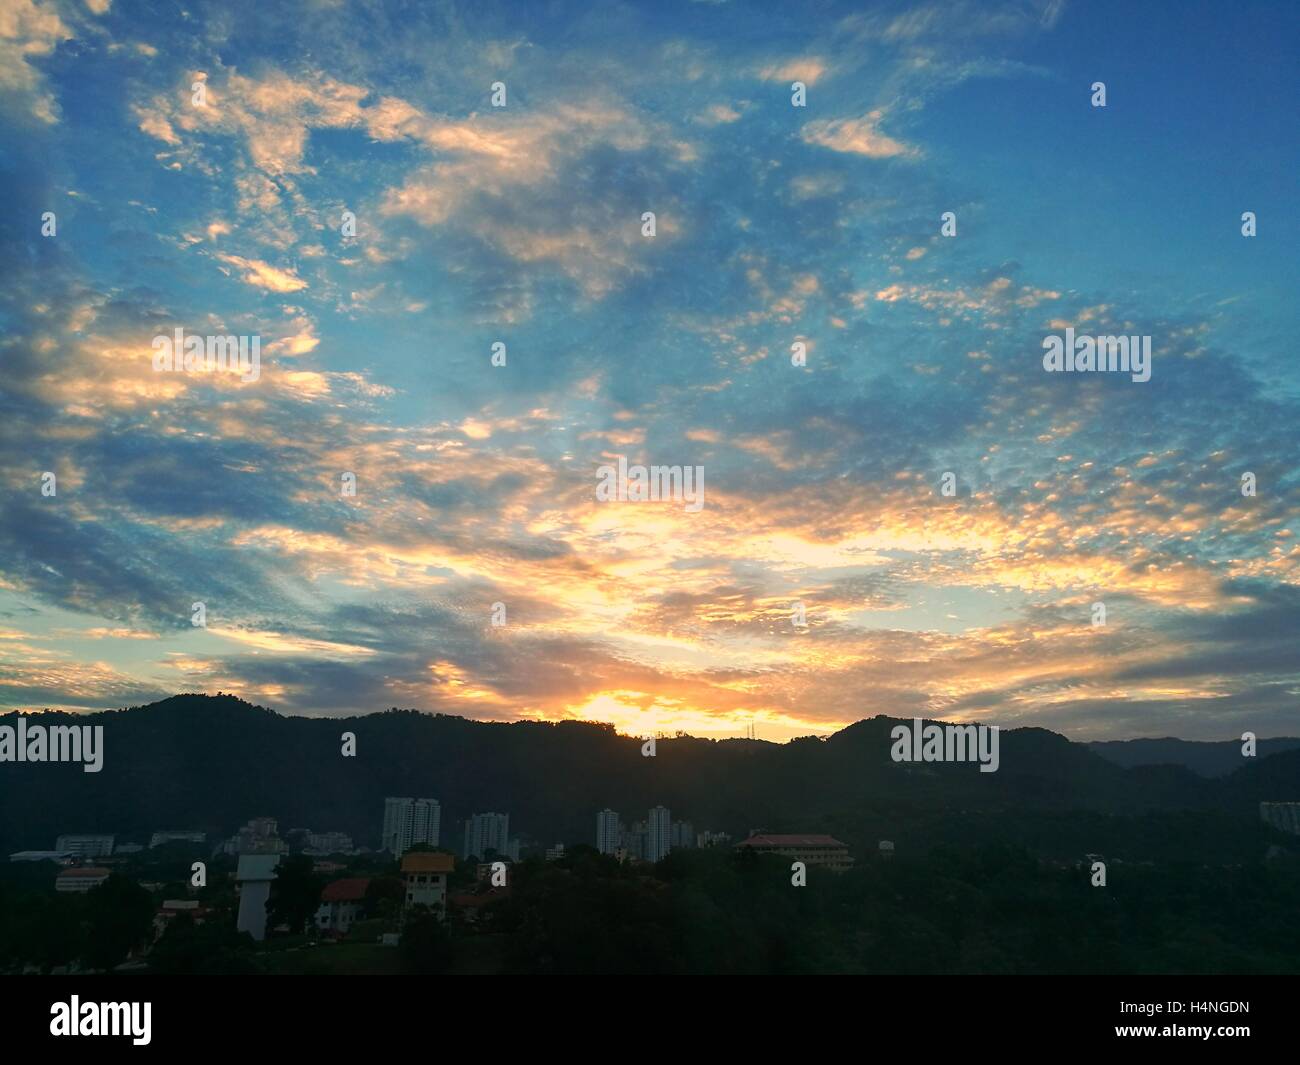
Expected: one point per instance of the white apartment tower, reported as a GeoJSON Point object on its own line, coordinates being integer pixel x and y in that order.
{"type": "Point", "coordinates": [659, 837]}
{"type": "Point", "coordinates": [484, 832]}
{"type": "Point", "coordinates": [411, 821]}
{"type": "Point", "coordinates": [608, 837]}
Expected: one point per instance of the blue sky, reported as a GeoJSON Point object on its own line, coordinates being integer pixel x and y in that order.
{"type": "Point", "coordinates": [775, 224]}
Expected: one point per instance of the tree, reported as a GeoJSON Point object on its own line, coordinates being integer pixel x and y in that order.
{"type": "Point", "coordinates": [295, 894]}
{"type": "Point", "coordinates": [426, 946]}
{"type": "Point", "coordinates": [43, 930]}
{"type": "Point", "coordinates": [209, 948]}
{"type": "Point", "coordinates": [119, 915]}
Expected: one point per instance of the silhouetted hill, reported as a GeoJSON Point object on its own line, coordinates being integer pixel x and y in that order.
{"type": "Point", "coordinates": [1208, 759]}
{"type": "Point", "coordinates": [213, 762]}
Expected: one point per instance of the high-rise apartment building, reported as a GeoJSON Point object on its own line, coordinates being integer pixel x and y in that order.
{"type": "Point", "coordinates": [608, 831]}
{"type": "Point", "coordinates": [484, 832]}
{"type": "Point", "coordinates": [410, 821]}
{"type": "Point", "coordinates": [658, 834]}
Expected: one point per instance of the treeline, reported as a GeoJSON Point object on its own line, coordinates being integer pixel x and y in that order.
{"type": "Point", "coordinates": [984, 910]}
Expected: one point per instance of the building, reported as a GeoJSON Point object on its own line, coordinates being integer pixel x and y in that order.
{"type": "Point", "coordinates": [329, 843]}
{"type": "Point", "coordinates": [408, 822]}
{"type": "Point", "coordinates": [181, 835]}
{"type": "Point", "coordinates": [658, 834]}
{"type": "Point", "coordinates": [635, 845]}
{"type": "Point", "coordinates": [1284, 816]}
{"type": "Point", "coordinates": [81, 879]}
{"type": "Point", "coordinates": [609, 831]}
{"type": "Point", "coordinates": [173, 908]}
{"type": "Point", "coordinates": [484, 871]}
{"type": "Point", "coordinates": [554, 854]}
{"type": "Point", "coordinates": [260, 836]}
{"type": "Point", "coordinates": [342, 903]}
{"type": "Point", "coordinates": [713, 839]}
{"type": "Point", "coordinates": [471, 904]}
{"type": "Point", "coordinates": [810, 849]}
{"type": "Point", "coordinates": [254, 876]}
{"type": "Point", "coordinates": [61, 857]}
{"type": "Point", "coordinates": [85, 846]}
{"type": "Point", "coordinates": [425, 874]}
{"type": "Point", "coordinates": [488, 832]}
{"type": "Point", "coordinates": [682, 836]}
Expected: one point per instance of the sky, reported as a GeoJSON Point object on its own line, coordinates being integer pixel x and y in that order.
{"type": "Point", "coordinates": [198, 161]}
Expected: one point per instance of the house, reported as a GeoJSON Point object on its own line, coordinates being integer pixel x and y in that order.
{"type": "Point", "coordinates": [81, 879]}
{"type": "Point", "coordinates": [425, 876]}
{"type": "Point", "coordinates": [341, 904]}
{"type": "Point", "coordinates": [810, 849]}
{"type": "Point", "coordinates": [171, 908]}
{"type": "Point", "coordinates": [471, 904]}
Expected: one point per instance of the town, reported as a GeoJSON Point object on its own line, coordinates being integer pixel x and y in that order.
{"type": "Point", "coordinates": [293, 891]}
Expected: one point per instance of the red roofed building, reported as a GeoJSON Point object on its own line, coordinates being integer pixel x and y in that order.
{"type": "Point", "coordinates": [173, 908]}
{"type": "Point", "coordinates": [810, 849]}
{"type": "Point", "coordinates": [471, 904]}
{"type": "Point", "coordinates": [341, 904]}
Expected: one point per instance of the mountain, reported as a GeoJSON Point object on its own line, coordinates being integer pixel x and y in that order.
{"type": "Point", "coordinates": [213, 762]}
{"type": "Point", "coordinates": [1212, 759]}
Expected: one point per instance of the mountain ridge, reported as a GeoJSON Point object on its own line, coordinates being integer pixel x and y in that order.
{"type": "Point", "coordinates": [212, 762]}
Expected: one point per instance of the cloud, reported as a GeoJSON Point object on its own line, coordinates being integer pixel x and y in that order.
{"type": "Point", "coordinates": [809, 70]}
{"type": "Point", "coordinates": [857, 136]}
{"type": "Point", "coordinates": [262, 275]}
{"type": "Point", "coordinates": [29, 32]}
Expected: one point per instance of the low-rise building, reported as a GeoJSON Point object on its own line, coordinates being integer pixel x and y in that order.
{"type": "Point", "coordinates": [180, 835]}
{"type": "Point", "coordinates": [173, 908]}
{"type": "Point", "coordinates": [328, 843]}
{"type": "Point", "coordinates": [471, 904]}
{"type": "Point", "coordinates": [425, 876]}
{"type": "Point", "coordinates": [81, 878]}
{"type": "Point", "coordinates": [86, 846]}
{"type": "Point", "coordinates": [815, 849]}
{"type": "Point", "coordinates": [62, 857]}
{"type": "Point", "coordinates": [342, 904]}
{"type": "Point", "coordinates": [260, 836]}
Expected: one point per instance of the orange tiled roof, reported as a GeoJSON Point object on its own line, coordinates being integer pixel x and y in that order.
{"type": "Point", "coordinates": [428, 862]}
